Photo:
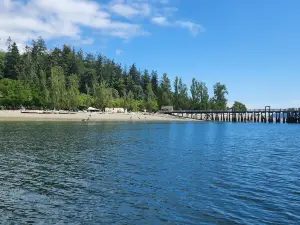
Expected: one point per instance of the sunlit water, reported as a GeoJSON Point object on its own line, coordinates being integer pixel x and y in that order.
{"type": "Point", "coordinates": [177, 173]}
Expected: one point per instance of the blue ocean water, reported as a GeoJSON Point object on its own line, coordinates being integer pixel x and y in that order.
{"type": "Point", "coordinates": [156, 173]}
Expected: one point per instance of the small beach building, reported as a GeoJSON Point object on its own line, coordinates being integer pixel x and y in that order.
{"type": "Point", "coordinates": [91, 109]}
{"type": "Point", "coordinates": [167, 108]}
{"type": "Point", "coordinates": [114, 110]}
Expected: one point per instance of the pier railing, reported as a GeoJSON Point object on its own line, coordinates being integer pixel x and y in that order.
{"type": "Point", "coordinates": [229, 111]}
{"type": "Point", "coordinates": [290, 115]}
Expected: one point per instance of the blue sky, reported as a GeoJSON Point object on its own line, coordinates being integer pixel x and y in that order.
{"type": "Point", "coordinates": [251, 46]}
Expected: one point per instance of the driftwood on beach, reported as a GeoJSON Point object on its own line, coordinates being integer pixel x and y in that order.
{"type": "Point", "coordinates": [46, 112]}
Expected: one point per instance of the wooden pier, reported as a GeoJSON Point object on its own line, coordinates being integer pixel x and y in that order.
{"type": "Point", "coordinates": [266, 115]}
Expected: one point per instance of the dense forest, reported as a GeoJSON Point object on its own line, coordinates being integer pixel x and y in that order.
{"type": "Point", "coordinates": [68, 79]}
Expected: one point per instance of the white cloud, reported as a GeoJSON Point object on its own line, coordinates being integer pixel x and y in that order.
{"type": "Point", "coordinates": [24, 20]}
{"type": "Point", "coordinates": [157, 15]}
{"type": "Point", "coordinates": [124, 10]}
{"type": "Point", "coordinates": [130, 9]}
{"type": "Point", "coordinates": [160, 20]}
{"type": "Point", "coordinates": [119, 52]}
{"type": "Point", "coordinates": [192, 27]}
{"type": "Point", "coordinates": [56, 19]}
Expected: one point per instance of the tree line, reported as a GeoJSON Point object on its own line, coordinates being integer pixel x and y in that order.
{"type": "Point", "coordinates": [64, 78]}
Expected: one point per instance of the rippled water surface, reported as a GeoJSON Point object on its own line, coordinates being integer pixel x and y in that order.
{"type": "Point", "coordinates": [177, 173]}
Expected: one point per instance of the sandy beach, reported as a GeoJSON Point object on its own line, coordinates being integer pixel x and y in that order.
{"type": "Point", "coordinates": [16, 115]}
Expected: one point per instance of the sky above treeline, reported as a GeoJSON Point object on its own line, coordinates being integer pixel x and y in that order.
{"type": "Point", "coordinates": [252, 46]}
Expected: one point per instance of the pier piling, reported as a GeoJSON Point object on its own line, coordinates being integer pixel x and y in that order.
{"type": "Point", "coordinates": [266, 115]}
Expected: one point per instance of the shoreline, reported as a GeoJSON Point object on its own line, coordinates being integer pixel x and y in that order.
{"type": "Point", "coordinates": [17, 116]}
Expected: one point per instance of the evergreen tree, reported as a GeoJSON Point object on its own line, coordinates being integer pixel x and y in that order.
{"type": "Point", "coordinates": [119, 84]}
{"type": "Point", "coordinates": [80, 63]}
{"type": "Point", "coordinates": [134, 75]}
{"type": "Point", "coordinates": [112, 77]}
{"type": "Point", "coordinates": [154, 82]}
{"type": "Point", "coordinates": [55, 58]}
{"type": "Point", "coordinates": [67, 79]}
{"type": "Point", "coordinates": [145, 80]}
{"type": "Point", "coordinates": [165, 96]}
{"type": "Point", "coordinates": [99, 69]}
{"type": "Point", "coordinates": [44, 90]}
{"type": "Point", "coordinates": [88, 81]}
{"type": "Point", "coordinates": [29, 68]}
{"type": "Point", "coordinates": [176, 93]}
{"type": "Point", "coordinates": [12, 62]}
{"type": "Point", "coordinates": [2, 58]}
{"type": "Point", "coordinates": [69, 62]}
{"type": "Point", "coordinates": [90, 61]}
{"type": "Point", "coordinates": [38, 48]}
{"type": "Point", "coordinates": [138, 92]}
{"type": "Point", "coordinates": [66, 59]}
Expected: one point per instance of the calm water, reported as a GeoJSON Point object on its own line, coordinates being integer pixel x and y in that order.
{"type": "Point", "coordinates": [189, 173]}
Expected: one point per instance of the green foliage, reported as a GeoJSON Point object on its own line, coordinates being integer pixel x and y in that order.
{"type": "Point", "coordinates": [154, 82]}
{"type": "Point", "coordinates": [44, 90]}
{"type": "Point", "coordinates": [2, 58]}
{"type": "Point", "coordinates": [85, 101]}
{"type": "Point", "coordinates": [2, 55]}
{"type": "Point", "coordinates": [73, 92]}
{"type": "Point", "coordinates": [12, 63]}
{"type": "Point", "coordinates": [149, 92]}
{"type": "Point", "coordinates": [67, 79]}
{"type": "Point", "coordinates": [14, 94]}
{"type": "Point", "coordinates": [103, 96]}
{"type": "Point", "coordinates": [118, 103]}
{"type": "Point", "coordinates": [135, 75]}
{"type": "Point", "coordinates": [200, 97]}
{"type": "Point", "coordinates": [165, 93]}
{"type": "Point", "coordinates": [145, 80]}
{"type": "Point", "coordinates": [88, 81]}
{"type": "Point", "coordinates": [58, 88]}
{"type": "Point", "coordinates": [176, 93]}
{"type": "Point", "coordinates": [181, 99]}
{"type": "Point", "coordinates": [151, 104]}
{"type": "Point", "coordinates": [129, 102]}
{"type": "Point", "coordinates": [138, 92]}
{"type": "Point", "coordinates": [238, 106]}
{"type": "Point", "coordinates": [219, 100]}
{"type": "Point", "coordinates": [133, 105]}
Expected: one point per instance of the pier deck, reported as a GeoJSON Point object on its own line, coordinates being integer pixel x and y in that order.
{"type": "Point", "coordinates": [265, 115]}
